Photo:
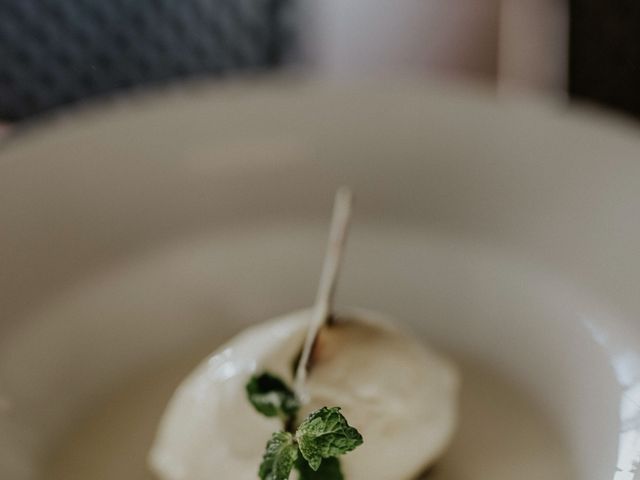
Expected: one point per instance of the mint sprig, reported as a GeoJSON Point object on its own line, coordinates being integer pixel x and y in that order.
{"type": "Point", "coordinates": [326, 434]}
{"type": "Point", "coordinates": [271, 396]}
{"type": "Point", "coordinates": [329, 470]}
{"type": "Point", "coordinates": [280, 456]}
{"type": "Point", "coordinates": [314, 447]}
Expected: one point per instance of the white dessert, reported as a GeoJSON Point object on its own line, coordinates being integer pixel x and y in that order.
{"type": "Point", "coordinates": [400, 395]}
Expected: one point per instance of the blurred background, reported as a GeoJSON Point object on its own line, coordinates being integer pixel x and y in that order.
{"type": "Point", "coordinates": [55, 53]}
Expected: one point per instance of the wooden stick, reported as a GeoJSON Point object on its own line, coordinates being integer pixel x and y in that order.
{"type": "Point", "coordinates": [323, 307]}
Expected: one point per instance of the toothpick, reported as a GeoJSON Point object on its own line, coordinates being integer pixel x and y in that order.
{"type": "Point", "coordinates": [323, 307]}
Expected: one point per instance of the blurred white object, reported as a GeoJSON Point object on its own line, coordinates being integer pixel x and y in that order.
{"type": "Point", "coordinates": [520, 44]}
{"type": "Point", "coordinates": [360, 37]}
{"type": "Point", "coordinates": [533, 48]}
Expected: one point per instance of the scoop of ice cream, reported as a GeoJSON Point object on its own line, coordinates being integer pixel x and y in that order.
{"type": "Point", "coordinates": [399, 394]}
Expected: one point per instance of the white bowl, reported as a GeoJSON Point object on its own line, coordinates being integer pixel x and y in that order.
{"type": "Point", "coordinates": [506, 234]}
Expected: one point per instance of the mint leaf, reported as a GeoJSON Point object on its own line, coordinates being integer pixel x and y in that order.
{"type": "Point", "coordinates": [325, 433]}
{"type": "Point", "coordinates": [279, 458]}
{"type": "Point", "coordinates": [329, 470]}
{"type": "Point", "coordinates": [271, 396]}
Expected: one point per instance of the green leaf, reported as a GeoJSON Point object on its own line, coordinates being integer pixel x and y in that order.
{"type": "Point", "coordinates": [279, 457]}
{"type": "Point", "coordinates": [329, 470]}
{"type": "Point", "coordinates": [271, 396]}
{"type": "Point", "coordinates": [325, 433]}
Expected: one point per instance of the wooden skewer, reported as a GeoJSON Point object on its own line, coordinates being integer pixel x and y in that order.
{"type": "Point", "coordinates": [323, 307]}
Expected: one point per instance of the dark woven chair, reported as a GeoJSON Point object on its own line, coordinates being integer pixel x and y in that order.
{"type": "Point", "coordinates": [56, 52]}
